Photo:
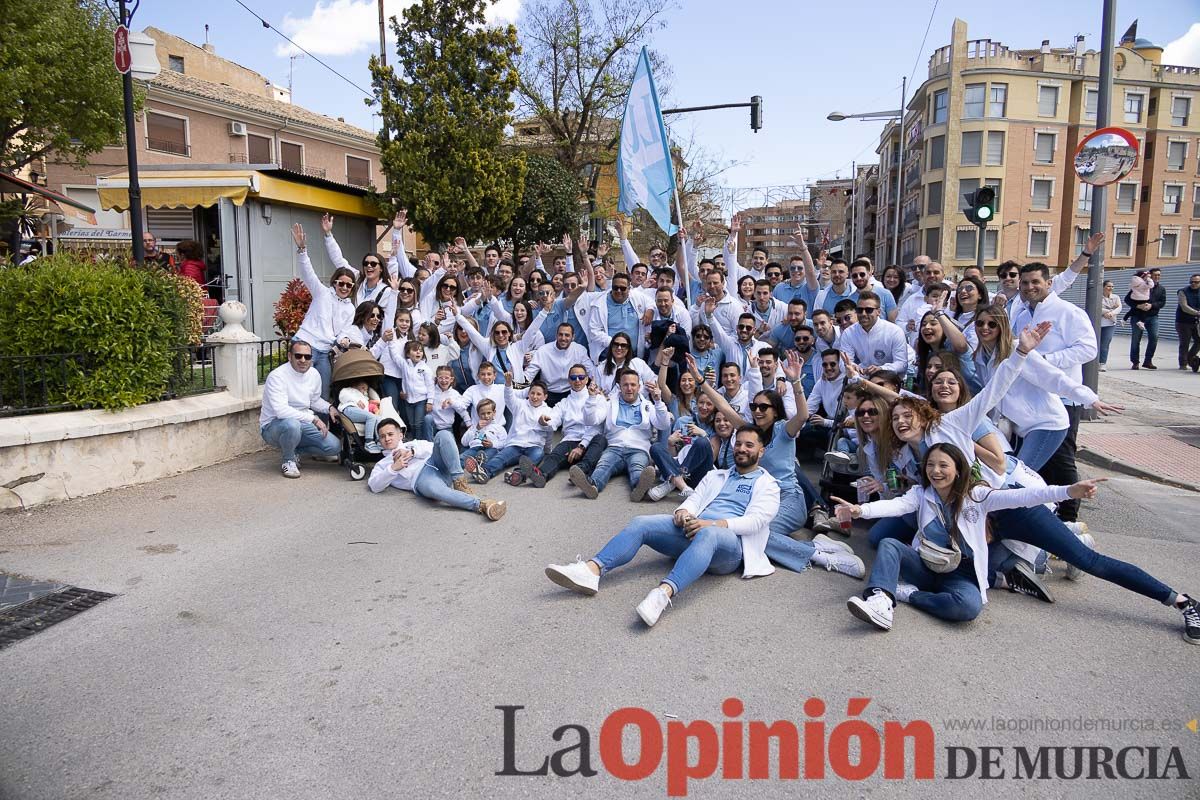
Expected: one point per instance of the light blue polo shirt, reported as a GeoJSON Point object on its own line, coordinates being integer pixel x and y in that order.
{"type": "Point", "coordinates": [734, 497]}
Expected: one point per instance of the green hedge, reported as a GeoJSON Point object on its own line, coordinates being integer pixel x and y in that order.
{"type": "Point", "coordinates": [126, 321]}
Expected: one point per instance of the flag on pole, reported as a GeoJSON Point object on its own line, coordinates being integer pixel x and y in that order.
{"type": "Point", "coordinates": [644, 170]}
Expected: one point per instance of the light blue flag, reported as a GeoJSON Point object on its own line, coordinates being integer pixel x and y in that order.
{"type": "Point", "coordinates": [644, 169]}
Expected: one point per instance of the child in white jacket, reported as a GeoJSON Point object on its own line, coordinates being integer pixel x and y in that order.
{"type": "Point", "coordinates": [418, 387]}
{"type": "Point", "coordinates": [359, 403]}
{"type": "Point", "coordinates": [446, 402]}
{"type": "Point", "coordinates": [485, 437]}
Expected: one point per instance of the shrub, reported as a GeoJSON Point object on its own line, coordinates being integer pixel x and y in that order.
{"type": "Point", "coordinates": [291, 307]}
{"type": "Point", "coordinates": [125, 321]}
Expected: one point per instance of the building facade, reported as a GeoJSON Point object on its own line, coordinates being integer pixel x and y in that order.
{"type": "Point", "coordinates": [772, 227]}
{"type": "Point", "coordinates": [204, 110]}
{"type": "Point", "coordinates": [1012, 119]}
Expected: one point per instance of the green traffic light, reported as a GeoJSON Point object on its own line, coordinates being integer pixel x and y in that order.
{"type": "Point", "coordinates": [983, 212]}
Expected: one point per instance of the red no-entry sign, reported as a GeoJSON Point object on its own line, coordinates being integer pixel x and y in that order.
{"type": "Point", "coordinates": [121, 56]}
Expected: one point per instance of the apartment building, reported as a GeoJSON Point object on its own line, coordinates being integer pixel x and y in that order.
{"type": "Point", "coordinates": [1012, 119]}
{"type": "Point", "coordinates": [772, 227]}
{"type": "Point", "coordinates": [206, 110]}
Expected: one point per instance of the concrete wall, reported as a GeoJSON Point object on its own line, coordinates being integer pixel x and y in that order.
{"type": "Point", "coordinates": [50, 457]}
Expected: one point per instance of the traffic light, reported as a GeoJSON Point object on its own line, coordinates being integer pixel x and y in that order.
{"type": "Point", "coordinates": [981, 206]}
{"type": "Point", "coordinates": [755, 113]}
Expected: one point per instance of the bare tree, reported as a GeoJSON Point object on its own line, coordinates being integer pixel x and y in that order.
{"type": "Point", "coordinates": [577, 63]}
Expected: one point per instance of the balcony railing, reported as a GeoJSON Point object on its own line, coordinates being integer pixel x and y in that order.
{"type": "Point", "coordinates": [169, 146]}
{"type": "Point", "coordinates": [238, 158]}
{"type": "Point", "coordinates": [358, 180]}
{"type": "Point", "coordinates": [312, 172]}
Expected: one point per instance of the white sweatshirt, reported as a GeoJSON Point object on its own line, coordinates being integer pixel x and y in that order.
{"type": "Point", "coordinates": [418, 381]}
{"type": "Point", "coordinates": [493, 432]}
{"type": "Point", "coordinates": [288, 394]}
{"type": "Point", "coordinates": [443, 418]}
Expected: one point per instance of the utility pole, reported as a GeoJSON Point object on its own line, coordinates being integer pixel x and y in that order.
{"type": "Point", "coordinates": [135, 190]}
{"type": "Point", "coordinates": [1095, 278]}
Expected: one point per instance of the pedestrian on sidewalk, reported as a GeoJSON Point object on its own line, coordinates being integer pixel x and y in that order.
{"type": "Point", "coordinates": [1187, 324]}
{"type": "Point", "coordinates": [1146, 313]}
{"type": "Point", "coordinates": [1110, 307]}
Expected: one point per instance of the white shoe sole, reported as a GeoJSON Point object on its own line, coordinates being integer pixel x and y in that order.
{"type": "Point", "coordinates": [646, 618]}
{"type": "Point", "coordinates": [565, 581]}
{"type": "Point", "coordinates": [860, 610]}
{"type": "Point", "coordinates": [581, 482]}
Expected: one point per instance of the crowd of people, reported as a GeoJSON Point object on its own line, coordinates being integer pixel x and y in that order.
{"type": "Point", "coordinates": [950, 411]}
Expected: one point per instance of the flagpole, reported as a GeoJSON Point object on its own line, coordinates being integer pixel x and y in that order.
{"type": "Point", "coordinates": [687, 276]}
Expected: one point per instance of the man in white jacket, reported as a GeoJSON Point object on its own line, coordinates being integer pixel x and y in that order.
{"type": "Point", "coordinates": [720, 527]}
{"type": "Point", "coordinates": [629, 418]}
{"type": "Point", "coordinates": [427, 469]}
{"type": "Point", "coordinates": [553, 360]}
{"type": "Point", "coordinates": [874, 342]}
{"type": "Point", "coordinates": [290, 404]}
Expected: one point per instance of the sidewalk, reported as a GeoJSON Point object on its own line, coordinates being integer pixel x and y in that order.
{"type": "Point", "coordinates": [1158, 436]}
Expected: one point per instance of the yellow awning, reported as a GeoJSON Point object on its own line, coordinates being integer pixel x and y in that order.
{"type": "Point", "coordinates": [191, 188]}
{"type": "Point", "coordinates": [179, 189]}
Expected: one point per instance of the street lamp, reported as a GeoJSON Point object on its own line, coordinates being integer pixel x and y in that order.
{"type": "Point", "coordinates": [898, 115]}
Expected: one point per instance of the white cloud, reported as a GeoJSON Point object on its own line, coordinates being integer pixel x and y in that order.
{"type": "Point", "coordinates": [1184, 51]}
{"type": "Point", "coordinates": [345, 27]}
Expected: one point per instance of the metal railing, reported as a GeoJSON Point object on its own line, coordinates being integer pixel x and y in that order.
{"type": "Point", "coordinates": [312, 172]}
{"type": "Point", "coordinates": [169, 146]}
{"type": "Point", "coordinates": [358, 180]}
{"type": "Point", "coordinates": [271, 353]}
{"type": "Point", "coordinates": [193, 371]}
{"type": "Point", "coordinates": [38, 383]}
{"type": "Point", "coordinates": [239, 158]}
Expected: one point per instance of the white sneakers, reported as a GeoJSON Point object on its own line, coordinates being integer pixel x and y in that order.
{"type": "Point", "coordinates": [840, 561]}
{"type": "Point", "coordinates": [660, 491]}
{"type": "Point", "coordinates": [1074, 573]}
{"type": "Point", "coordinates": [826, 545]}
{"type": "Point", "coordinates": [652, 607]}
{"type": "Point", "coordinates": [876, 609]}
{"type": "Point", "coordinates": [291, 469]}
{"type": "Point", "coordinates": [904, 591]}
{"type": "Point", "coordinates": [577, 577]}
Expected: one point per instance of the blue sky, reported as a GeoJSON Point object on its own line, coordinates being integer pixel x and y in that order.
{"type": "Point", "coordinates": [806, 59]}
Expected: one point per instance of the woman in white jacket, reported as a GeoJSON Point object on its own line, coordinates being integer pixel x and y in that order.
{"type": "Point", "coordinates": [1032, 403]}
{"type": "Point", "coordinates": [951, 524]}
{"type": "Point", "coordinates": [331, 309]}
{"type": "Point", "coordinates": [952, 510]}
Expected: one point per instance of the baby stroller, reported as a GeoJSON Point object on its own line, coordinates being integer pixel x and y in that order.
{"type": "Point", "coordinates": [836, 479]}
{"type": "Point", "coordinates": [351, 367]}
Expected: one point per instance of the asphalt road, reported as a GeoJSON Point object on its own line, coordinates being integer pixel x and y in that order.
{"type": "Point", "coordinates": [253, 652]}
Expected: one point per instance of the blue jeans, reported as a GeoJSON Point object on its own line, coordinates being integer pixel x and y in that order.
{"type": "Point", "coordinates": [390, 387]}
{"type": "Point", "coordinates": [1038, 446]}
{"type": "Point", "coordinates": [712, 549]}
{"type": "Point", "coordinates": [1135, 343]}
{"type": "Point", "coordinates": [414, 418]}
{"type": "Point", "coordinates": [1040, 528]}
{"type": "Point", "coordinates": [324, 368]}
{"type": "Point", "coordinates": [510, 454]}
{"type": "Point", "coordinates": [951, 596]}
{"type": "Point", "coordinates": [696, 464]}
{"type": "Point", "coordinates": [356, 414]}
{"type": "Point", "coordinates": [613, 458]}
{"type": "Point", "coordinates": [782, 548]}
{"type": "Point", "coordinates": [294, 437]}
{"type": "Point", "coordinates": [1106, 337]}
{"type": "Point", "coordinates": [900, 528]}
{"type": "Point", "coordinates": [435, 481]}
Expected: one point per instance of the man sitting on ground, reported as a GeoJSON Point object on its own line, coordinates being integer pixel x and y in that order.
{"type": "Point", "coordinates": [290, 403]}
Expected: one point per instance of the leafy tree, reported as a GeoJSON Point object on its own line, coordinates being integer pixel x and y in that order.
{"type": "Point", "coordinates": [578, 58]}
{"type": "Point", "coordinates": [446, 103]}
{"type": "Point", "coordinates": [550, 203]}
{"type": "Point", "coordinates": [59, 91]}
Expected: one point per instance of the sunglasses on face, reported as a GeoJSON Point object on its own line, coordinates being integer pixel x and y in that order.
{"type": "Point", "coordinates": [867, 412]}
{"type": "Point", "coordinates": [830, 365]}
{"type": "Point", "coordinates": [370, 263]}
{"type": "Point", "coordinates": [616, 288]}
{"type": "Point", "coordinates": [375, 316]}
{"type": "Point", "coordinates": [344, 284]}
{"type": "Point", "coordinates": [451, 286]}
{"type": "Point", "coordinates": [701, 336]}
{"type": "Point", "coordinates": [805, 340]}
{"type": "Point", "coordinates": [621, 345]}
{"type": "Point", "coordinates": [405, 290]}
{"type": "Point", "coordinates": [986, 323]}
{"type": "Point", "coordinates": [866, 310]}
{"type": "Point", "coordinates": [762, 407]}
{"type": "Point", "coordinates": [745, 327]}
{"type": "Point", "coordinates": [575, 378]}
{"type": "Point", "coordinates": [302, 356]}
{"type": "Point", "coordinates": [1010, 275]}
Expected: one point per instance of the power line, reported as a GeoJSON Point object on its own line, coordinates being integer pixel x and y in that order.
{"type": "Point", "coordinates": [921, 49]}
{"type": "Point", "coordinates": [266, 24]}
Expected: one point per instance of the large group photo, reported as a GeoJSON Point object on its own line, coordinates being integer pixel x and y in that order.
{"type": "Point", "coordinates": [457, 398]}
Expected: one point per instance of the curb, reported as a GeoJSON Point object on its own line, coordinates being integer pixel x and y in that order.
{"type": "Point", "coordinates": [1099, 459]}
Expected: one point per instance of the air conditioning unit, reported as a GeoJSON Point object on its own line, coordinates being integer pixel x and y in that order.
{"type": "Point", "coordinates": [237, 128]}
